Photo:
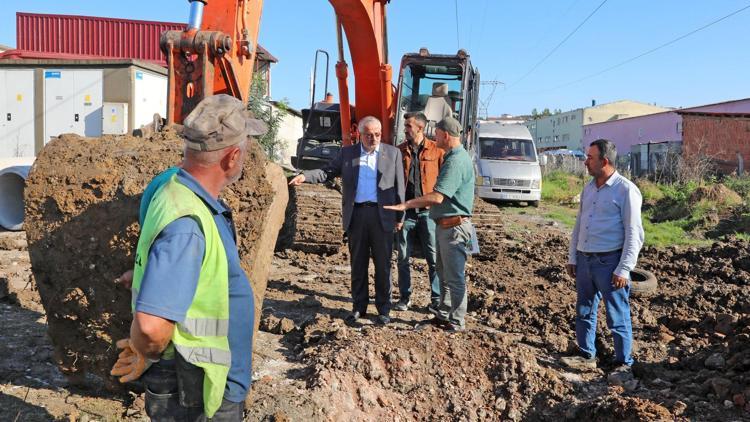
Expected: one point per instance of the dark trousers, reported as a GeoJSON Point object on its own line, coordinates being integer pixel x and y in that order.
{"type": "Point", "coordinates": [368, 240]}
{"type": "Point", "coordinates": [422, 227]}
{"type": "Point", "coordinates": [174, 393]}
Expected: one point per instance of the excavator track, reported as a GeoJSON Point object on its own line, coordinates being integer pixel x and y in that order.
{"type": "Point", "coordinates": [313, 220]}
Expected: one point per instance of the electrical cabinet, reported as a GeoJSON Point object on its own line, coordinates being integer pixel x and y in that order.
{"type": "Point", "coordinates": [16, 113]}
{"type": "Point", "coordinates": [72, 102]}
{"type": "Point", "coordinates": [115, 118]}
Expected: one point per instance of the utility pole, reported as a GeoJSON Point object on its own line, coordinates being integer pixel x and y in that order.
{"type": "Point", "coordinates": [484, 105]}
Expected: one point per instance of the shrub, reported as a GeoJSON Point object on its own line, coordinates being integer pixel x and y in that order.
{"type": "Point", "coordinates": [650, 191]}
{"type": "Point", "coordinates": [561, 187]}
{"type": "Point", "coordinates": [271, 114]}
{"type": "Point", "coordinates": [741, 185]}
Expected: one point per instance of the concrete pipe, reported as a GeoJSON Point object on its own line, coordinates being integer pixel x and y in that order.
{"type": "Point", "coordinates": [12, 182]}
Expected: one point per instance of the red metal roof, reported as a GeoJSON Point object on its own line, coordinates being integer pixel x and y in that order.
{"type": "Point", "coordinates": [97, 37]}
{"type": "Point", "coordinates": [92, 36]}
{"type": "Point", "coordinates": [40, 55]}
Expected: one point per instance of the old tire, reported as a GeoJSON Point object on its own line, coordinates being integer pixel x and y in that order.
{"type": "Point", "coordinates": [289, 228]}
{"type": "Point", "coordinates": [642, 283]}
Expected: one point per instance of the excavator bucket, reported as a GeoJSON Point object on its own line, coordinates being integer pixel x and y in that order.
{"type": "Point", "coordinates": [82, 198]}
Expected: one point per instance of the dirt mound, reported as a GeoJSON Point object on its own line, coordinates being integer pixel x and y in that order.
{"type": "Point", "coordinates": [687, 336]}
{"type": "Point", "coordinates": [429, 375]}
{"type": "Point", "coordinates": [715, 193]}
{"type": "Point", "coordinates": [82, 200]}
{"type": "Point", "coordinates": [622, 409]}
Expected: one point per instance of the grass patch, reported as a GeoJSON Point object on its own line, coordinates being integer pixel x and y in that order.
{"type": "Point", "coordinates": [563, 215]}
{"type": "Point", "coordinates": [561, 187]}
{"type": "Point", "coordinates": [669, 233]}
{"type": "Point", "coordinates": [689, 214]}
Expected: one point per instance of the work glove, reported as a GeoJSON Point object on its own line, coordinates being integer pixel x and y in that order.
{"type": "Point", "coordinates": [130, 364]}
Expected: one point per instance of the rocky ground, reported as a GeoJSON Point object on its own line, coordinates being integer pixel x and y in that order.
{"type": "Point", "coordinates": [691, 336]}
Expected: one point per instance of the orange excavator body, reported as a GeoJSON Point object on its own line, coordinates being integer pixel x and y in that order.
{"type": "Point", "coordinates": [216, 55]}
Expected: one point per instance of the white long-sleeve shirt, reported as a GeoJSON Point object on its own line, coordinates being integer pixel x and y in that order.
{"type": "Point", "coordinates": [610, 219]}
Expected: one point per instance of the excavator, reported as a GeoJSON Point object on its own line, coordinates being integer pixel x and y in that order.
{"type": "Point", "coordinates": [216, 53]}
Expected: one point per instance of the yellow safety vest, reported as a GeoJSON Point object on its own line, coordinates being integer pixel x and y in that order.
{"type": "Point", "coordinates": [201, 338]}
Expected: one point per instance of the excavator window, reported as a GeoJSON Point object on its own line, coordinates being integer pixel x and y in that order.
{"type": "Point", "coordinates": [432, 89]}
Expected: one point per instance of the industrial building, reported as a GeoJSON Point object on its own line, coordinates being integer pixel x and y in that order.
{"type": "Point", "coordinates": [651, 136]}
{"type": "Point", "coordinates": [566, 130]}
{"type": "Point", "coordinates": [44, 98]}
{"type": "Point", "coordinates": [86, 75]}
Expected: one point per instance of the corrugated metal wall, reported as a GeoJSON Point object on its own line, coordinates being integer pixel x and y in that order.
{"type": "Point", "coordinates": [92, 36]}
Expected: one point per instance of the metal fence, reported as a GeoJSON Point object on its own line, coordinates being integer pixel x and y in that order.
{"type": "Point", "coordinates": [565, 163]}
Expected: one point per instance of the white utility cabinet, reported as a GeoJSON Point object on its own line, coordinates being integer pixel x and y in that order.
{"type": "Point", "coordinates": [150, 97]}
{"type": "Point", "coordinates": [72, 102]}
{"type": "Point", "coordinates": [115, 118]}
{"type": "Point", "coordinates": [16, 113]}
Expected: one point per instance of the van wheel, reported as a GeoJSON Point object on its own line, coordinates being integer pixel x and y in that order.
{"type": "Point", "coordinates": [534, 204]}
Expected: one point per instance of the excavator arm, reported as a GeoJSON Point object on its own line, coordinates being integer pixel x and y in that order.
{"type": "Point", "coordinates": [365, 25]}
{"type": "Point", "coordinates": [216, 55]}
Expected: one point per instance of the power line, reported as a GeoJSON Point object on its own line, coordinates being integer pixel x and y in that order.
{"type": "Point", "coordinates": [558, 18]}
{"type": "Point", "coordinates": [484, 20]}
{"type": "Point", "coordinates": [533, 68]}
{"type": "Point", "coordinates": [666, 44]}
{"type": "Point", "coordinates": [458, 40]}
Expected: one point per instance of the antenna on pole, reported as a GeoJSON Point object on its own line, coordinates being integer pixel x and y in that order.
{"type": "Point", "coordinates": [484, 105]}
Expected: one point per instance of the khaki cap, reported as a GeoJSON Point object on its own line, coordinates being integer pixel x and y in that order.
{"type": "Point", "coordinates": [220, 121]}
{"type": "Point", "coordinates": [450, 125]}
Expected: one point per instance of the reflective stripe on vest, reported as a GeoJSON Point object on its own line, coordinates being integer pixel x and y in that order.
{"type": "Point", "coordinates": [201, 327]}
{"type": "Point", "coordinates": [205, 355]}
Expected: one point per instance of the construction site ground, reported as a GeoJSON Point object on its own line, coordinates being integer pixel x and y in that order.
{"type": "Point", "coordinates": [691, 337]}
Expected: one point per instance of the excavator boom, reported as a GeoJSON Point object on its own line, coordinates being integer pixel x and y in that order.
{"type": "Point", "coordinates": [216, 55]}
{"type": "Point", "coordinates": [364, 22]}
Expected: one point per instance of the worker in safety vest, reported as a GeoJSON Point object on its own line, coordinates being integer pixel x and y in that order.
{"type": "Point", "coordinates": [193, 309]}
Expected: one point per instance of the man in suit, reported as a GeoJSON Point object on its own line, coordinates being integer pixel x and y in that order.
{"type": "Point", "coordinates": [372, 176]}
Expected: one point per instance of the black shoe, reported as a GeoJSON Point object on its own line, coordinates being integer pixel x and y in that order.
{"type": "Point", "coordinates": [402, 306]}
{"type": "Point", "coordinates": [453, 328]}
{"type": "Point", "coordinates": [383, 320]}
{"type": "Point", "coordinates": [433, 308]}
{"type": "Point", "coordinates": [353, 317]}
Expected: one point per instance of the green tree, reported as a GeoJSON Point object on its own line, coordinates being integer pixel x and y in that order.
{"type": "Point", "coordinates": [546, 112]}
{"type": "Point", "coordinates": [271, 113]}
{"type": "Point", "coordinates": [534, 113]}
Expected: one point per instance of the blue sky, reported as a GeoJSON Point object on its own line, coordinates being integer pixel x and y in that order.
{"type": "Point", "coordinates": [505, 40]}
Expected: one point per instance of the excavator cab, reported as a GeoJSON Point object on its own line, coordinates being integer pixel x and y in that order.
{"type": "Point", "coordinates": [439, 86]}
{"type": "Point", "coordinates": [321, 139]}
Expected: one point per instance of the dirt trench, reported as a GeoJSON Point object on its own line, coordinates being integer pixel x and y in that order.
{"type": "Point", "coordinates": [691, 337]}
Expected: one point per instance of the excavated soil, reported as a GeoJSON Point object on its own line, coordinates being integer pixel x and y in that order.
{"type": "Point", "coordinates": [692, 341]}
{"type": "Point", "coordinates": [82, 200]}
{"type": "Point", "coordinates": [429, 375]}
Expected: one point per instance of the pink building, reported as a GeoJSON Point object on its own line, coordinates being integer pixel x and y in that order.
{"type": "Point", "coordinates": [653, 128]}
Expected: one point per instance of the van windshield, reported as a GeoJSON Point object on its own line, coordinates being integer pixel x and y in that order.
{"type": "Point", "coordinates": [507, 149]}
